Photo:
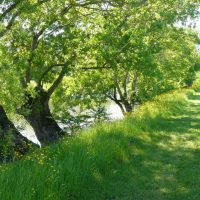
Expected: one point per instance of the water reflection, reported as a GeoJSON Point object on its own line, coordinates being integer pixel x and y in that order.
{"type": "Point", "coordinates": [26, 130]}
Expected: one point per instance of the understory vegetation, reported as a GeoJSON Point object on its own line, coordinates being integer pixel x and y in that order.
{"type": "Point", "coordinates": [151, 154]}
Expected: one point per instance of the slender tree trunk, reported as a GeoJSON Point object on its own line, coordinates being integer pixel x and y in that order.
{"type": "Point", "coordinates": [120, 106]}
{"type": "Point", "coordinates": [123, 97]}
{"type": "Point", "coordinates": [134, 90]}
{"type": "Point", "coordinates": [128, 106]}
{"type": "Point", "coordinates": [12, 142]}
{"type": "Point", "coordinates": [41, 119]}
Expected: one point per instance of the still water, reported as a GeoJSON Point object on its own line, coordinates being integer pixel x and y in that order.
{"type": "Point", "coordinates": [113, 111]}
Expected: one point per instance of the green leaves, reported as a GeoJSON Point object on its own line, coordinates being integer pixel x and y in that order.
{"type": "Point", "coordinates": [129, 36]}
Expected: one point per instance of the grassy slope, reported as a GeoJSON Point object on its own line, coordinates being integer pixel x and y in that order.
{"type": "Point", "coordinates": [153, 155]}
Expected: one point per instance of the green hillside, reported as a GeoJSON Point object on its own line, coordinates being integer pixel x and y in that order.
{"type": "Point", "coordinates": [152, 155]}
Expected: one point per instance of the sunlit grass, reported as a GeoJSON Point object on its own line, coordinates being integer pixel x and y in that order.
{"type": "Point", "coordinates": [153, 154]}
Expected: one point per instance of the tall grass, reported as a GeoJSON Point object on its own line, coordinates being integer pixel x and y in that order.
{"type": "Point", "coordinates": [108, 162]}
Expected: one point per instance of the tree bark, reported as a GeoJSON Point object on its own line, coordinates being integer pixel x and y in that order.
{"type": "Point", "coordinates": [128, 106]}
{"type": "Point", "coordinates": [12, 142]}
{"type": "Point", "coordinates": [123, 97]}
{"type": "Point", "coordinates": [134, 91]}
{"type": "Point", "coordinates": [40, 118]}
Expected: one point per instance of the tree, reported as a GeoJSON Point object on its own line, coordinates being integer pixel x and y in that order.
{"type": "Point", "coordinates": [17, 142]}
{"type": "Point", "coordinates": [43, 47]}
{"type": "Point", "coordinates": [144, 50]}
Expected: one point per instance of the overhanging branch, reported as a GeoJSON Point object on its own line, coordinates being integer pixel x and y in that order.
{"type": "Point", "coordinates": [95, 68]}
{"type": "Point", "coordinates": [8, 10]}
{"type": "Point", "coordinates": [48, 70]}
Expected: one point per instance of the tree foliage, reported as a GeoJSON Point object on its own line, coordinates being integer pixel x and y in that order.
{"type": "Point", "coordinates": [64, 59]}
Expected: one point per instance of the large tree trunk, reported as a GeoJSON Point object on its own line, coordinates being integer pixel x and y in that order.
{"type": "Point", "coordinates": [40, 118]}
{"type": "Point", "coordinates": [12, 143]}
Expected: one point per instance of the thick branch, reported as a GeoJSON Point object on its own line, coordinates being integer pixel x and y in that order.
{"type": "Point", "coordinates": [56, 82]}
{"type": "Point", "coordinates": [47, 71]}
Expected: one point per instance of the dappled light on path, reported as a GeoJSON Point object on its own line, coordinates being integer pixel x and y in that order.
{"type": "Point", "coordinates": [153, 154]}
{"type": "Point", "coordinates": [168, 167]}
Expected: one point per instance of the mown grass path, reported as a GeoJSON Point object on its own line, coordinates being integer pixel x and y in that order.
{"type": "Point", "coordinates": [169, 165]}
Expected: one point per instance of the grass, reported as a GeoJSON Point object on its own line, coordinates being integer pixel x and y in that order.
{"type": "Point", "coordinates": [151, 155]}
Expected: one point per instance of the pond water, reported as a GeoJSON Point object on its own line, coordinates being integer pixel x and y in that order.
{"type": "Point", "coordinates": [25, 129]}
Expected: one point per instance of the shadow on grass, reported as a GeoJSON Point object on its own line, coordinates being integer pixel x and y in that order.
{"type": "Point", "coordinates": [163, 168]}
{"type": "Point", "coordinates": [167, 166]}
{"type": "Point", "coordinates": [155, 169]}
{"type": "Point", "coordinates": [119, 162]}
